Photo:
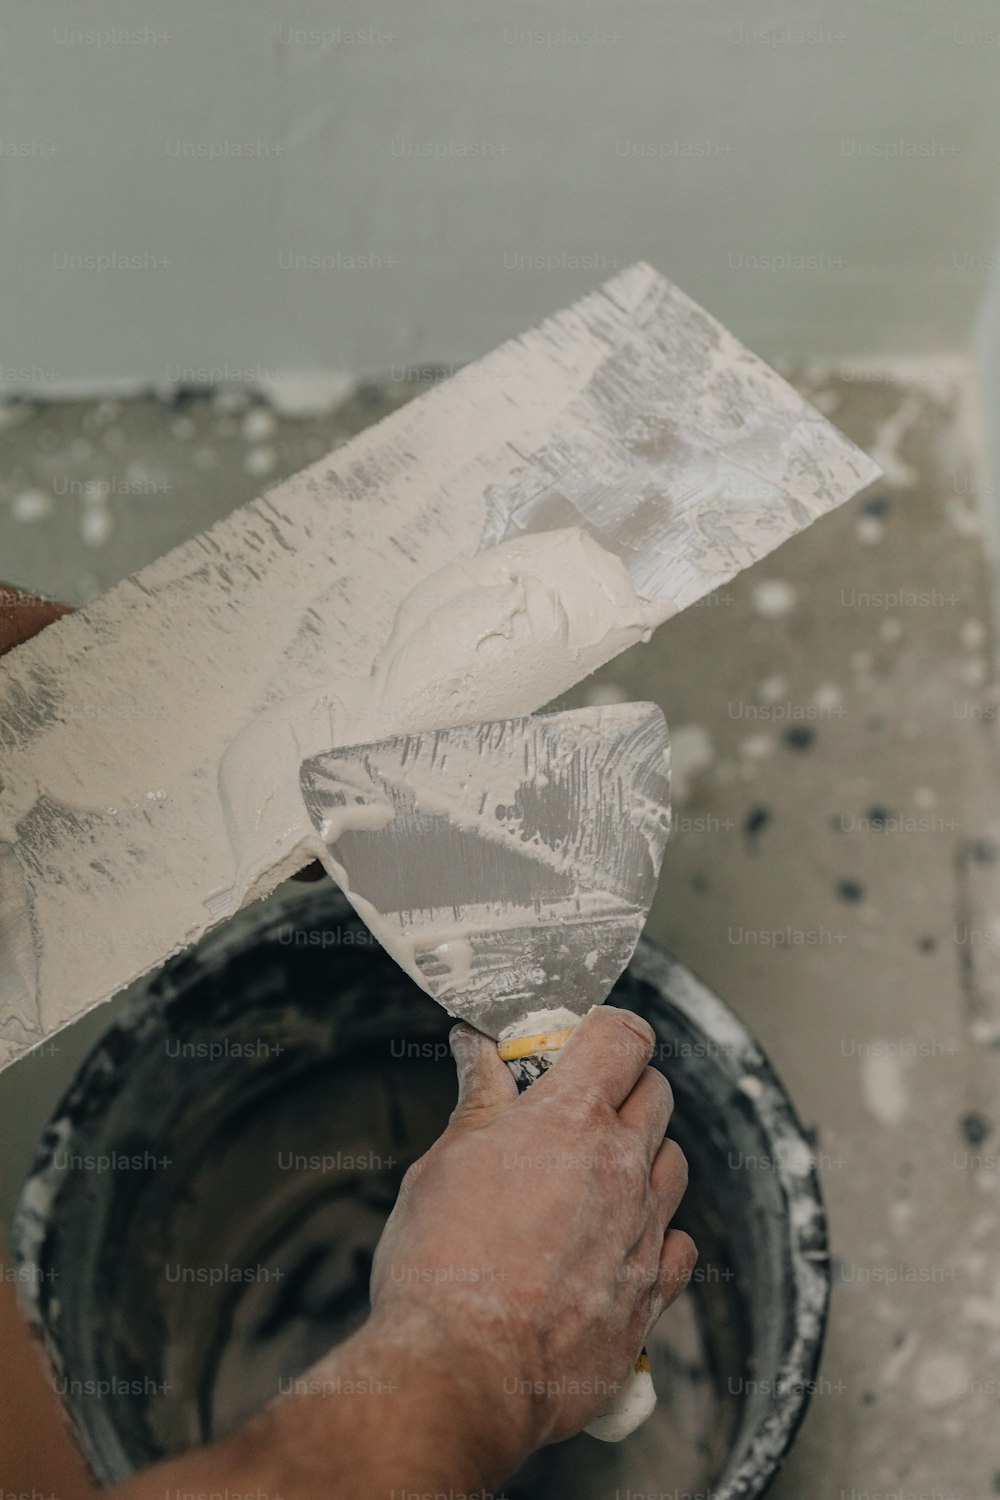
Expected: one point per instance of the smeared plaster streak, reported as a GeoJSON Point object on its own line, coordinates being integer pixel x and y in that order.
{"type": "Point", "coordinates": [632, 416]}
{"type": "Point", "coordinates": [483, 638]}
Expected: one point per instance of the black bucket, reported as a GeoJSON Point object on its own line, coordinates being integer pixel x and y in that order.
{"type": "Point", "coordinates": [199, 1223]}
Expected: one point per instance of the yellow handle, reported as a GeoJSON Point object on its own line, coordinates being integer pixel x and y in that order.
{"type": "Point", "coordinates": [525, 1046]}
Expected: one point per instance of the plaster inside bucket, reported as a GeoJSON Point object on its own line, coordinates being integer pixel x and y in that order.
{"type": "Point", "coordinates": [269, 1091]}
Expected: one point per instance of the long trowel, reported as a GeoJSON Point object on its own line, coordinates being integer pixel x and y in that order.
{"type": "Point", "coordinates": [509, 868]}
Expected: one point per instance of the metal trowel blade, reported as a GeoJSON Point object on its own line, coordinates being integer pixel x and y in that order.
{"type": "Point", "coordinates": [507, 866]}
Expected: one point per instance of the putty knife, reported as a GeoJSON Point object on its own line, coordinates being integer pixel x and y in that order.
{"type": "Point", "coordinates": [509, 868]}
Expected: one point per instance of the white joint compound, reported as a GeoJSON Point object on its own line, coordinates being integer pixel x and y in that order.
{"type": "Point", "coordinates": [486, 637]}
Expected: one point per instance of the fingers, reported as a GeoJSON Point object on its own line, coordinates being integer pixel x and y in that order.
{"type": "Point", "coordinates": [678, 1259]}
{"type": "Point", "coordinates": [668, 1179]}
{"type": "Point", "coordinates": [23, 615]}
{"type": "Point", "coordinates": [648, 1108]}
{"type": "Point", "coordinates": [485, 1084]}
{"type": "Point", "coordinates": [604, 1057]}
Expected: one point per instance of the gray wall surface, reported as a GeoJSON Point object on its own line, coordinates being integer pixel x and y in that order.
{"type": "Point", "coordinates": [250, 191]}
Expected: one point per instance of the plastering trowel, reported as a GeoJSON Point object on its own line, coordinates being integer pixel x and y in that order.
{"type": "Point", "coordinates": [632, 417]}
{"type": "Point", "coordinates": [509, 868]}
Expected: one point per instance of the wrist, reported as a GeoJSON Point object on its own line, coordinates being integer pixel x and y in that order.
{"type": "Point", "coordinates": [459, 1381]}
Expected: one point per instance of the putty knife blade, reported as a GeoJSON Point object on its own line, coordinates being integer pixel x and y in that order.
{"type": "Point", "coordinates": [506, 866]}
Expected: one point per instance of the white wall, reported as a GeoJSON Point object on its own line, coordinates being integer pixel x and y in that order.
{"type": "Point", "coordinates": [445, 147]}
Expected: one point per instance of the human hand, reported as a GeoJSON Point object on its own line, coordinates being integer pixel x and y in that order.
{"type": "Point", "coordinates": [530, 1245]}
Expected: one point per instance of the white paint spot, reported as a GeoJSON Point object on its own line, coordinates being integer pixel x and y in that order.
{"type": "Point", "coordinates": [964, 516]}
{"type": "Point", "coordinates": [901, 1216]}
{"type": "Point", "coordinates": [773, 689]}
{"type": "Point", "coordinates": [941, 1378]}
{"type": "Point", "coordinates": [751, 1086]}
{"type": "Point", "coordinates": [869, 530]}
{"type": "Point", "coordinates": [973, 634]}
{"type": "Point", "coordinates": [891, 630]}
{"type": "Point", "coordinates": [974, 671]}
{"type": "Point", "coordinates": [183, 428]}
{"type": "Point", "coordinates": [231, 400]}
{"type": "Point", "coordinates": [888, 438]}
{"type": "Point", "coordinates": [984, 1312]}
{"type": "Point", "coordinates": [757, 746]}
{"type": "Point", "coordinates": [258, 425]}
{"type": "Point", "coordinates": [304, 395]}
{"type": "Point", "coordinates": [883, 1083]}
{"type": "Point", "coordinates": [96, 525]}
{"type": "Point", "coordinates": [32, 505]}
{"type": "Point", "coordinates": [690, 752]}
{"type": "Point", "coordinates": [143, 478]}
{"type": "Point", "coordinates": [773, 597]}
{"type": "Point", "coordinates": [925, 797]}
{"type": "Point", "coordinates": [827, 696]}
{"type": "Point", "coordinates": [260, 461]}
{"type": "Point", "coordinates": [602, 694]}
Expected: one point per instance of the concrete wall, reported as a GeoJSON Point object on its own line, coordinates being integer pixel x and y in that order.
{"type": "Point", "coordinates": [360, 185]}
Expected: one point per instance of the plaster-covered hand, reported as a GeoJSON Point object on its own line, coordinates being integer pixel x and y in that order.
{"type": "Point", "coordinates": [530, 1244]}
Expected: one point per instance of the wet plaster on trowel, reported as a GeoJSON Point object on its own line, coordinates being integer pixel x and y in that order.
{"type": "Point", "coordinates": [486, 637]}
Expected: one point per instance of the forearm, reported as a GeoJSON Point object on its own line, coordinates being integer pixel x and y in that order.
{"type": "Point", "coordinates": [385, 1414]}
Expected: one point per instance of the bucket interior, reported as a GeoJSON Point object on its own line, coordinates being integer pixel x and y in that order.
{"type": "Point", "coordinates": [255, 1112]}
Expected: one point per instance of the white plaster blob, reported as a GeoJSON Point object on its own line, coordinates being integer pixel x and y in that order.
{"type": "Point", "coordinates": [260, 461]}
{"type": "Point", "coordinates": [773, 689]}
{"type": "Point", "coordinates": [691, 751]}
{"type": "Point", "coordinates": [941, 1378]}
{"type": "Point", "coordinates": [96, 524]}
{"type": "Point", "coordinates": [888, 439]}
{"type": "Point", "coordinates": [537, 1021]}
{"type": "Point", "coordinates": [485, 637]}
{"type": "Point", "coordinates": [758, 746]}
{"type": "Point", "coordinates": [602, 694]}
{"type": "Point", "coordinates": [773, 597]}
{"type": "Point", "coordinates": [258, 425]}
{"type": "Point", "coordinates": [828, 697]}
{"type": "Point", "coordinates": [884, 1084]}
{"type": "Point", "coordinates": [869, 531]}
{"type": "Point", "coordinates": [32, 505]}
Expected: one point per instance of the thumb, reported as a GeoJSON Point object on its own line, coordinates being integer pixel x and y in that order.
{"type": "Point", "coordinates": [485, 1084]}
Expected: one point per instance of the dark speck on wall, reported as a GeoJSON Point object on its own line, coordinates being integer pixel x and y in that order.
{"type": "Point", "coordinates": [699, 883]}
{"type": "Point", "coordinates": [756, 821]}
{"type": "Point", "coordinates": [876, 723]}
{"type": "Point", "coordinates": [878, 817]}
{"type": "Point", "coordinates": [975, 1127]}
{"type": "Point", "coordinates": [984, 853]}
{"type": "Point", "coordinates": [850, 891]}
{"type": "Point", "coordinates": [927, 944]}
{"type": "Point", "coordinates": [876, 505]}
{"type": "Point", "coordinates": [799, 736]}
